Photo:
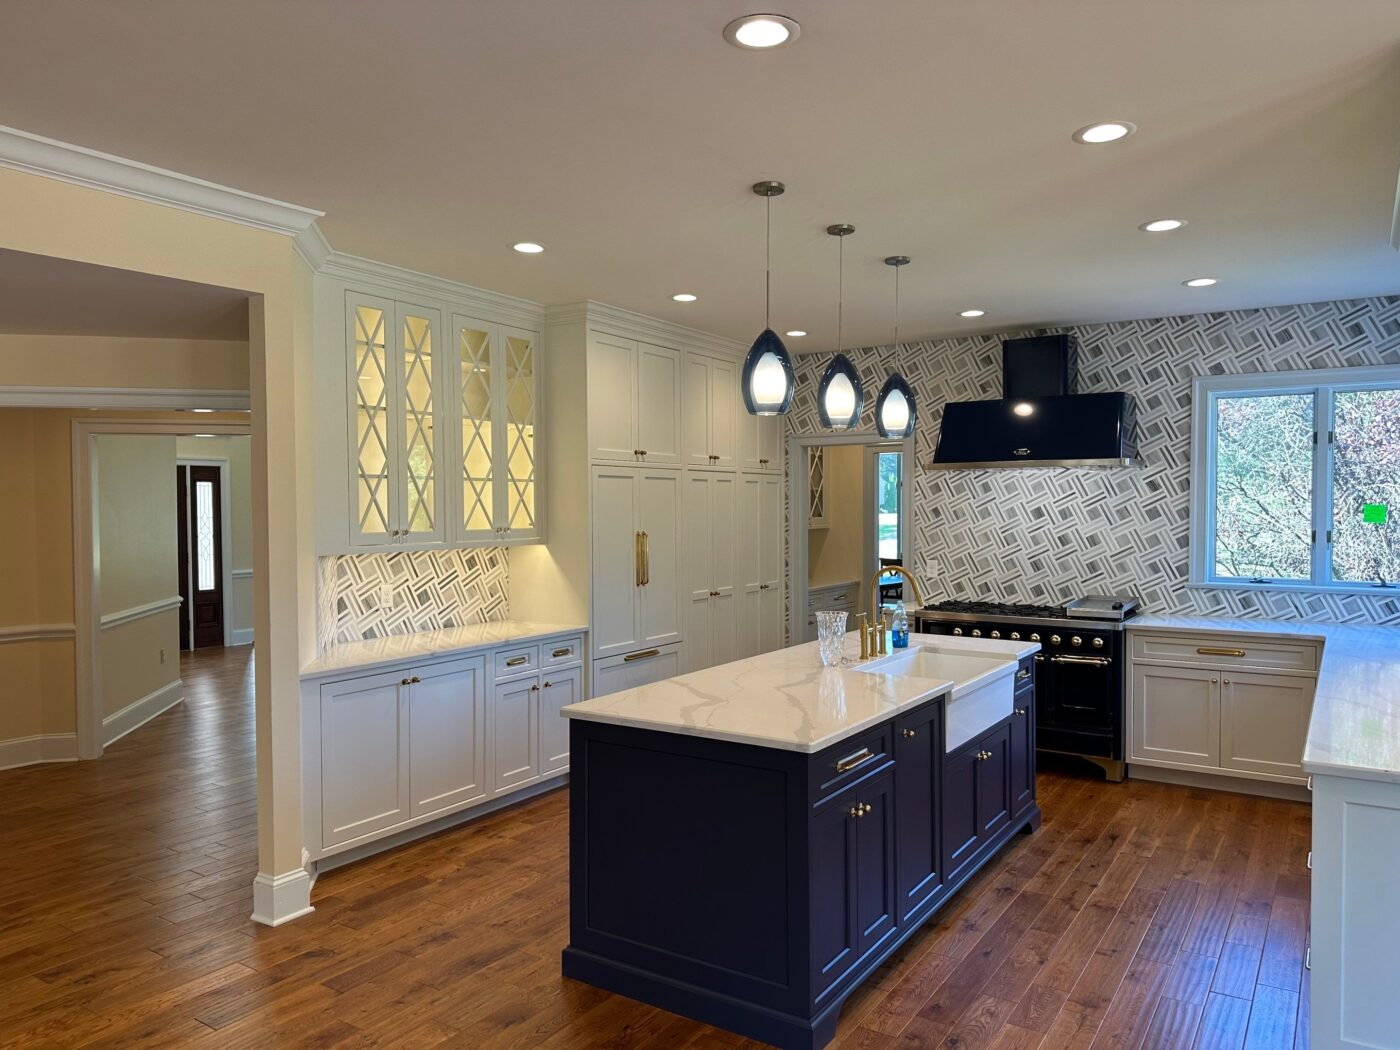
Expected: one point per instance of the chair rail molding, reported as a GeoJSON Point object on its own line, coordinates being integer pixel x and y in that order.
{"type": "Point", "coordinates": [138, 612]}
{"type": "Point", "coordinates": [35, 632]}
{"type": "Point", "coordinates": [25, 151]}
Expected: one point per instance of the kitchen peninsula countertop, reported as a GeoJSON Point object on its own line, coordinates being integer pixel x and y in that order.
{"type": "Point", "coordinates": [785, 698]}
{"type": "Point", "coordinates": [1355, 726]}
{"type": "Point", "coordinates": [450, 641]}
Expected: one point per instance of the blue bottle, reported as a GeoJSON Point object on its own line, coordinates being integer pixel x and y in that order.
{"type": "Point", "coordinates": [899, 628]}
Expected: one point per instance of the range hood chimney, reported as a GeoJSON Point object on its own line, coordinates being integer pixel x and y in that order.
{"type": "Point", "coordinates": [1040, 421]}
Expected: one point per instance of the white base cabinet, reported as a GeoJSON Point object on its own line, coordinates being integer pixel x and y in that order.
{"type": "Point", "coordinates": [760, 548]}
{"type": "Point", "coordinates": [386, 751]}
{"type": "Point", "coordinates": [630, 670]}
{"type": "Point", "coordinates": [1226, 705]}
{"type": "Point", "coordinates": [711, 627]}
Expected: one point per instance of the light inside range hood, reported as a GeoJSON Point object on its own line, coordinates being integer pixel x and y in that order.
{"type": "Point", "coordinates": [1041, 421]}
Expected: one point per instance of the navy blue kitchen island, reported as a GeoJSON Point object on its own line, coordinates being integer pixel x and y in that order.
{"type": "Point", "coordinates": [754, 886]}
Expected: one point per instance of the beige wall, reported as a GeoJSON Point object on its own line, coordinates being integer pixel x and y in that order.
{"type": "Point", "coordinates": [137, 565]}
{"type": "Point", "coordinates": [237, 451]}
{"type": "Point", "coordinates": [123, 363]}
{"type": "Point", "coordinates": [839, 552]}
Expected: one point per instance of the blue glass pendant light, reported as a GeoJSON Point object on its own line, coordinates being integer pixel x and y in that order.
{"type": "Point", "coordinates": [895, 411]}
{"type": "Point", "coordinates": [767, 379]}
{"type": "Point", "coordinates": [840, 396]}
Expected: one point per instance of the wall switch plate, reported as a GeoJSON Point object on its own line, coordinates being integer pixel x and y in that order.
{"type": "Point", "coordinates": [386, 596]}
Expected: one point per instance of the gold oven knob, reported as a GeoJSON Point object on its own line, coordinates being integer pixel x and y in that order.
{"type": "Point", "coordinates": [1098, 643]}
{"type": "Point", "coordinates": [1015, 636]}
{"type": "Point", "coordinates": [1054, 639]}
{"type": "Point", "coordinates": [976, 634]}
{"type": "Point", "coordinates": [1035, 636]}
{"type": "Point", "coordinates": [996, 634]}
{"type": "Point", "coordinates": [957, 630]}
{"type": "Point", "coordinates": [1076, 641]}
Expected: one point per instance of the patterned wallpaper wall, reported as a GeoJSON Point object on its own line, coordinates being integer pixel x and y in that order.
{"type": "Point", "coordinates": [1047, 535]}
{"type": "Point", "coordinates": [431, 590]}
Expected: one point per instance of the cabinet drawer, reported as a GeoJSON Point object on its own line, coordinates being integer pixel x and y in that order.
{"type": "Point", "coordinates": [851, 760]}
{"type": "Point", "coordinates": [511, 662]}
{"type": "Point", "coordinates": [559, 653]}
{"type": "Point", "coordinates": [1025, 676]}
{"type": "Point", "coordinates": [1274, 654]}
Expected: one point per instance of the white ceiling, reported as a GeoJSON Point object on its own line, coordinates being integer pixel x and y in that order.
{"type": "Point", "coordinates": [624, 135]}
{"type": "Point", "coordinates": [47, 296]}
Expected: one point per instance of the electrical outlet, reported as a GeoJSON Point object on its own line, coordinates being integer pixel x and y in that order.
{"type": "Point", "coordinates": [386, 596]}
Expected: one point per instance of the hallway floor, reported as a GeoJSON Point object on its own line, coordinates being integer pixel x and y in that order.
{"type": "Point", "coordinates": [1140, 915]}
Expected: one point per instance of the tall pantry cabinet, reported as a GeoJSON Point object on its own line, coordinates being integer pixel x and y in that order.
{"type": "Point", "coordinates": [667, 537]}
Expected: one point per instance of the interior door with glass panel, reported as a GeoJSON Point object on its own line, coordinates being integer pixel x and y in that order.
{"type": "Point", "coordinates": [201, 552]}
{"type": "Point", "coordinates": [419, 441]}
{"type": "Point", "coordinates": [477, 362]}
{"type": "Point", "coordinates": [369, 333]}
{"type": "Point", "coordinates": [519, 416]}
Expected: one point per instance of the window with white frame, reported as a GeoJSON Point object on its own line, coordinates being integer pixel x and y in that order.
{"type": "Point", "coordinates": [1295, 480]}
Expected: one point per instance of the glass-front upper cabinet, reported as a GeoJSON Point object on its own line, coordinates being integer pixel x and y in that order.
{"type": "Point", "coordinates": [396, 445]}
{"type": "Point", "coordinates": [498, 393]}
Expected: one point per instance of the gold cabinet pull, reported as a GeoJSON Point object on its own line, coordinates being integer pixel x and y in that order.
{"type": "Point", "coordinates": [646, 559]}
{"type": "Point", "coordinates": [562, 652]}
{"type": "Point", "coordinates": [1021, 676]}
{"type": "Point", "coordinates": [637, 559]}
{"type": "Point", "coordinates": [643, 655]}
{"type": "Point", "coordinates": [516, 661]}
{"type": "Point", "coordinates": [1092, 661]}
{"type": "Point", "coordinates": [1209, 650]}
{"type": "Point", "coordinates": [859, 758]}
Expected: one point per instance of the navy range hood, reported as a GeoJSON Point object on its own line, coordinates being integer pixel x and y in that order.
{"type": "Point", "coordinates": [1041, 422]}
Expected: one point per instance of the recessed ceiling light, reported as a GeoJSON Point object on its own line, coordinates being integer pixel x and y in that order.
{"type": "Point", "coordinates": [796, 333]}
{"type": "Point", "coordinates": [1199, 282]}
{"type": "Point", "coordinates": [760, 32]}
{"type": "Point", "coordinates": [972, 313]}
{"type": "Point", "coordinates": [1105, 131]}
{"type": "Point", "coordinates": [1162, 225]}
{"type": "Point", "coordinates": [528, 248]}
{"type": "Point", "coordinates": [683, 297]}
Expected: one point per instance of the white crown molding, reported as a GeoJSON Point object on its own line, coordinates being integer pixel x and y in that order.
{"type": "Point", "coordinates": [628, 323]}
{"type": "Point", "coordinates": [312, 246]}
{"type": "Point", "coordinates": [139, 612]}
{"type": "Point", "coordinates": [35, 632]}
{"type": "Point", "coordinates": [349, 269]}
{"type": "Point", "coordinates": [122, 397]}
{"type": "Point", "coordinates": [37, 155]}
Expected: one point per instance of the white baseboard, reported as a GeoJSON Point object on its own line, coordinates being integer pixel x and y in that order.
{"type": "Point", "coordinates": [138, 713]}
{"type": "Point", "coordinates": [241, 636]}
{"type": "Point", "coordinates": [281, 898]}
{"type": "Point", "coordinates": [44, 747]}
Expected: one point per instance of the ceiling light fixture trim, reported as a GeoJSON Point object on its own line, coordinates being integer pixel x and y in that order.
{"type": "Point", "coordinates": [762, 31]}
{"type": "Point", "coordinates": [1102, 132]}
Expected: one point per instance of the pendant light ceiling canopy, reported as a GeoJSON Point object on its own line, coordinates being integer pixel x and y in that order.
{"type": "Point", "coordinates": [768, 379]}
{"type": "Point", "coordinates": [895, 411]}
{"type": "Point", "coordinates": [840, 396]}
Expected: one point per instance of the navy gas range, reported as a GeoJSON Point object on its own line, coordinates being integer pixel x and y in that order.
{"type": "Point", "coordinates": [1080, 685]}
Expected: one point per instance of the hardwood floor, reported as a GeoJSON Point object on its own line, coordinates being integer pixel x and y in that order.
{"type": "Point", "coordinates": [1139, 916]}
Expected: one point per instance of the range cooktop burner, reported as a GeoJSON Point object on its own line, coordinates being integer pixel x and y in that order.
{"type": "Point", "coordinates": [998, 609]}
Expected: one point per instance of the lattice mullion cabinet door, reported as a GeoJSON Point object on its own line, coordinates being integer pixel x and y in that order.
{"type": "Point", "coordinates": [372, 440]}
{"type": "Point", "coordinates": [476, 500]}
{"type": "Point", "coordinates": [421, 422]}
{"type": "Point", "coordinates": [520, 449]}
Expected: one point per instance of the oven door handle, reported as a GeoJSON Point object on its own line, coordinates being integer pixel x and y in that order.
{"type": "Point", "coordinates": [1092, 661]}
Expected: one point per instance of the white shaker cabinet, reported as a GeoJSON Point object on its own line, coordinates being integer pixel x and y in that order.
{"type": "Point", "coordinates": [362, 743]}
{"type": "Point", "coordinates": [558, 690]}
{"type": "Point", "coordinates": [1264, 722]}
{"type": "Point", "coordinates": [616, 673]}
{"type": "Point", "coordinates": [711, 624]}
{"type": "Point", "coordinates": [709, 412]}
{"type": "Point", "coordinates": [1176, 715]}
{"type": "Point", "coordinates": [515, 709]}
{"type": "Point", "coordinates": [760, 555]}
{"type": "Point", "coordinates": [760, 442]}
{"type": "Point", "coordinates": [634, 391]}
{"type": "Point", "coordinates": [447, 735]}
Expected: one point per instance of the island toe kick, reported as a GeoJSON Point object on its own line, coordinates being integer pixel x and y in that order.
{"type": "Point", "coordinates": [754, 888]}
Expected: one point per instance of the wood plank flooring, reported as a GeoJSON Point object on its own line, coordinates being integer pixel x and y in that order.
{"type": "Point", "coordinates": [1139, 916]}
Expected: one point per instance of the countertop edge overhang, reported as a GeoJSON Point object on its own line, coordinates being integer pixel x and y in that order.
{"type": "Point", "coordinates": [395, 649]}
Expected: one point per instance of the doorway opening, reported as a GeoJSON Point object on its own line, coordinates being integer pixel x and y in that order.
{"type": "Point", "coordinates": [851, 514]}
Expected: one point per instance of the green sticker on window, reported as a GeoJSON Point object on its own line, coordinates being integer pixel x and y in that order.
{"type": "Point", "coordinates": [1375, 513]}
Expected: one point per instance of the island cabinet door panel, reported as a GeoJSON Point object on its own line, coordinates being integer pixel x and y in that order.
{"type": "Point", "coordinates": [919, 864]}
{"type": "Point", "coordinates": [364, 757]}
{"type": "Point", "coordinates": [960, 829]}
{"type": "Point", "coordinates": [876, 898]}
{"type": "Point", "coordinates": [659, 520]}
{"type": "Point", "coordinates": [994, 782]}
{"type": "Point", "coordinates": [558, 690]}
{"type": "Point", "coordinates": [447, 734]}
{"type": "Point", "coordinates": [1023, 750]}
{"type": "Point", "coordinates": [833, 881]}
{"type": "Point", "coordinates": [617, 562]}
{"type": "Point", "coordinates": [515, 758]}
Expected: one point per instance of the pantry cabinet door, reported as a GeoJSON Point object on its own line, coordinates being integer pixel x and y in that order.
{"type": "Point", "coordinates": [612, 399]}
{"type": "Point", "coordinates": [658, 410]}
{"type": "Point", "coordinates": [617, 568]}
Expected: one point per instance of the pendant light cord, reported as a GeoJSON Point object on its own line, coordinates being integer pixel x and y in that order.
{"type": "Point", "coordinates": [840, 289]}
{"type": "Point", "coordinates": [768, 262]}
{"type": "Point", "coordinates": [896, 307]}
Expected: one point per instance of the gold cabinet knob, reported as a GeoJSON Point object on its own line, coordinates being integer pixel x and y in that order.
{"type": "Point", "coordinates": [415, 679]}
{"type": "Point", "coordinates": [868, 807]}
{"type": "Point", "coordinates": [409, 681]}
{"type": "Point", "coordinates": [909, 734]}
{"type": "Point", "coordinates": [1213, 680]}
{"type": "Point", "coordinates": [855, 810]}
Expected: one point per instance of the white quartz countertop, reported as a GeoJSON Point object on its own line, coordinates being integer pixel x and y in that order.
{"type": "Point", "coordinates": [786, 699]}
{"type": "Point", "coordinates": [396, 648]}
{"type": "Point", "coordinates": [1355, 727]}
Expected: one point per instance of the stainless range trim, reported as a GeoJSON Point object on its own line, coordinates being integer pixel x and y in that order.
{"type": "Point", "coordinates": [1079, 624]}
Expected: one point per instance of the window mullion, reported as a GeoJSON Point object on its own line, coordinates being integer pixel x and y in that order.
{"type": "Point", "coordinates": [1322, 487]}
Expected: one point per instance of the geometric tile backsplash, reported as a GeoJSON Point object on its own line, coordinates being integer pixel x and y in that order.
{"type": "Point", "coordinates": [1046, 535]}
{"type": "Point", "coordinates": [431, 590]}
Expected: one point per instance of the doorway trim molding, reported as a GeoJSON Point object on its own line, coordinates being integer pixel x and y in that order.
{"type": "Point", "coordinates": [87, 581]}
{"type": "Point", "coordinates": [226, 541]}
{"type": "Point", "coordinates": [797, 515]}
